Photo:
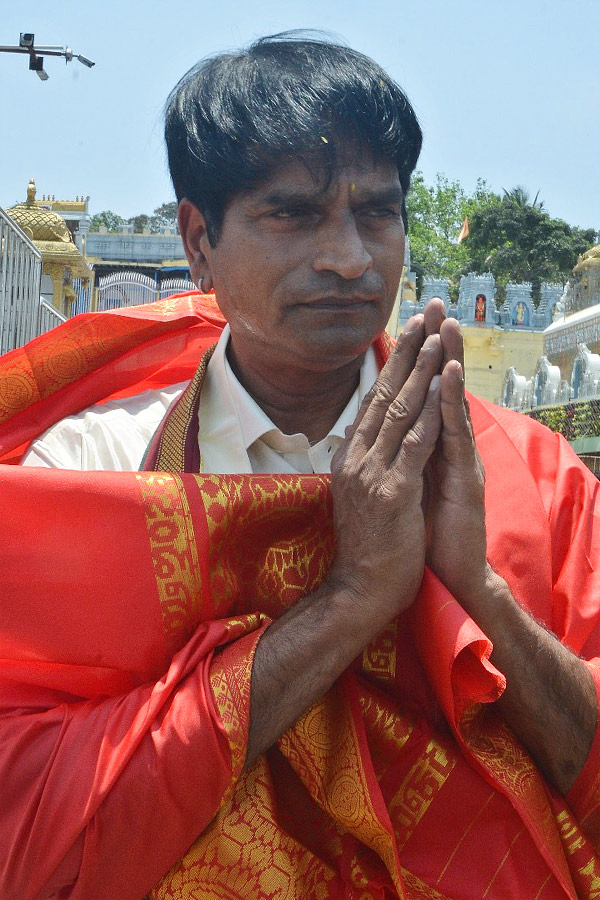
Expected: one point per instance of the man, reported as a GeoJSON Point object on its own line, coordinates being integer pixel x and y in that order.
{"type": "Point", "coordinates": [264, 696]}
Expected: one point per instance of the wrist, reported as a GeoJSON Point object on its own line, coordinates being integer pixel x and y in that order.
{"type": "Point", "coordinates": [486, 598]}
{"type": "Point", "coordinates": [371, 602]}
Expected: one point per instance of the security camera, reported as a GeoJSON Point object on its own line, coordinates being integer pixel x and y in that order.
{"type": "Point", "coordinates": [36, 64]}
{"type": "Point", "coordinates": [26, 39]}
{"type": "Point", "coordinates": [87, 62]}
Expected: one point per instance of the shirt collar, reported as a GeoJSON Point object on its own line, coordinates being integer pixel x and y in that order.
{"type": "Point", "coordinates": [253, 422]}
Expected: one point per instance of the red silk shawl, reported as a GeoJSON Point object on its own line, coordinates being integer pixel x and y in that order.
{"type": "Point", "coordinates": [131, 607]}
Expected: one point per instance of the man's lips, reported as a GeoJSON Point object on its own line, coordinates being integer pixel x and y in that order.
{"type": "Point", "coordinates": [340, 302]}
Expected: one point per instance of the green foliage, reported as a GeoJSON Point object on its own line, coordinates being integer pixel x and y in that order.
{"type": "Point", "coordinates": [554, 417]}
{"type": "Point", "coordinates": [520, 196]}
{"type": "Point", "coordinates": [165, 216]}
{"type": "Point", "coordinates": [517, 240]}
{"type": "Point", "coordinates": [573, 420]}
{"type": "Point", "coordinates": [584, 419]}
{"type": "Point", "coordinates": [435, 216]}
{"type": "Point", "coordinates": [108, 218]}
{"type": "Point", "coordinates": [139, 222]}
{"type": "Point", "coordinates": [513, 236]}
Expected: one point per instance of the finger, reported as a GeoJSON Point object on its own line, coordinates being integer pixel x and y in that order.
{"type": "Point", "coordinates": [404, 410]}
{"type": "Point", "coordinates": [458, 445]}
{"type": "Point", "coordinates": [452, 398]}
{"type": "Point", "coordinates": [419, 442]}
{"type": "Point", "coordinates": [452, 342]}
{"type": "Point", "coordinates": [434, 315]}
{"type": "Point", "coordinates": [392, 377]}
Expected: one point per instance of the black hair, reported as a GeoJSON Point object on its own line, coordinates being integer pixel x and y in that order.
{"type": "Point", "coordinates": [234, 118]}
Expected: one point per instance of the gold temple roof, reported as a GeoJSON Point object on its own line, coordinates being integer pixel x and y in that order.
{"type": "Point", "coordinates": [49, 233]}
{"type": "Point", "coordinates": [588, 260]}
{"type": "Point", "coordinates": [37, 223]}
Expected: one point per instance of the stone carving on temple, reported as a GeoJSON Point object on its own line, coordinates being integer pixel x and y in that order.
{"type": "Point", "coordinates": [61, 260]}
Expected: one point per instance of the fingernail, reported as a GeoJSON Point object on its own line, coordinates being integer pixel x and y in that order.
{"type": "Point", "coordinates": [431, 341]}
{"type": "Point", "coordinates": [434, 384]}
{"type": "Point", "coordinates": [413, 324]}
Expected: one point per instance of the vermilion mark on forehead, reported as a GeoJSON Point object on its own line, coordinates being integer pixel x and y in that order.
{"type": "Point", "coordinates": [291, 187]}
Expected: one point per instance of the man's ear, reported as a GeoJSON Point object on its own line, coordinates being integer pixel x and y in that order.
{"type": "Point", "coordinates": [192, 227]}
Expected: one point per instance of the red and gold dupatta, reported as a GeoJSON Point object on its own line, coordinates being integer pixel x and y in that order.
{"type": "Point", "coordinates": [131, 608]}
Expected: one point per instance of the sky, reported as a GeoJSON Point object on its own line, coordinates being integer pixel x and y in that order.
{"type": "Point", "coordinates": [505, 91]}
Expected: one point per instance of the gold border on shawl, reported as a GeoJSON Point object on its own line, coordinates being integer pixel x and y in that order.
{"type": "Point", "coordinates": [231, 679]}
{"type": "Point", "coordinates": [61, 357]}
{"type": "Point", "coordinates": [493, 744]}
{"type": "Point", "coordinates": [323, 749]}
{"type": "Point", "coordinates": [245, 853]}
{"type": "Point", "coordinates": [575, 843]}
{"type": "Point", "coordinates": [387, 730]}
{"type": "Point", "coordinates": [171, 451]}
{"type": "Point", "coordinates": [174, 554]}
{"type": "Point", "coordinates": [419, 789]}
{"type": "Point", "coordinates": [590, 819]}
{"type": "Point", "coordinates": [387, 344]}
{"type": "Point", "coordinates": [222, 505]}
{"type": "Point", "coordinates": [236, 506]}
{"type": "Point", "coordinates": [379, 658]}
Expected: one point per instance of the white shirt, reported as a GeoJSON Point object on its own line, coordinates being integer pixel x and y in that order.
{"type": "Point", "coordinates": [235, 434]}
{"type": "Point", "coordinates": [111, 436]}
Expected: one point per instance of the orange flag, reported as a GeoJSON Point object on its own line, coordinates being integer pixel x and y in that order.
{"type": "Point", "coordinates": [463, 231]}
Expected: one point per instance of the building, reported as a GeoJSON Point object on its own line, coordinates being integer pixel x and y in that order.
{"type": "Point", "coordinates": [494, 339]}
{"type": "Point", "coordinates": [64, 267]}
{"type": "Point", "coordinates": [158, 256]}
{"type": "Point", "coordinates": [564, 393]}
{"type": "Point", "coordinates": [75, 214]}
{"type": "Point", "coordinates": [569, 367]}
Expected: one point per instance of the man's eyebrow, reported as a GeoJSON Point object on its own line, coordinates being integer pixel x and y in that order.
{"type": "Point", "coordinates": [392, 194]}
{"type": "Point", "coordinates": [293, 196]}
{"type": "Point", "coordinates": [287, 197]}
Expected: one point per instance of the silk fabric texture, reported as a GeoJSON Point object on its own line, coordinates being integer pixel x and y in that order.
{"type": "Point", "coordinates": [132, 604]}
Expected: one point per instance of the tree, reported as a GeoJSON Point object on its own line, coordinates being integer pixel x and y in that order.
{"type": "Point", "coordinates": [517, 240]}
{"type": "Point", "coordinates": [520, 196]}
{"type": "Point", "coordinates": [108, 218]}
{"type": "Point", "coordinates": [435, 217]}
{"type": "Point", "coordinates": [139, 222]}
{"type": "Point", "coordinates": [165, 215]}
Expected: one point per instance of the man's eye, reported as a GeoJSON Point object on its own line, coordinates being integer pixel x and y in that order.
{"type": "Point", "coordinates": [382, 212]}
{"type": "Point", "coordinates": [291, 212]}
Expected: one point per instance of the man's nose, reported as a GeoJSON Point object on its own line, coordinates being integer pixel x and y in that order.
{"type": "Point", "coordinates": [342, 249]}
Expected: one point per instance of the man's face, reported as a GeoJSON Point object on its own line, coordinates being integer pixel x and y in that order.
{"type": "Point", "coordinates": [307, 275]}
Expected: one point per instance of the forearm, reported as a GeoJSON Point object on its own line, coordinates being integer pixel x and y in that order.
{"type": "Point", "coordinates": [377, 492]}
{"type": "Point", "coordinates": [301, 655]}
{"type": "Point", "coordinates": [550, 699]}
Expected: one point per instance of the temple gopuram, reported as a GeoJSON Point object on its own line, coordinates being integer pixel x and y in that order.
{"type": "Point", "coordinates": [495, 339]}
{"type": "Point", "coordinates": [63, 263]}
